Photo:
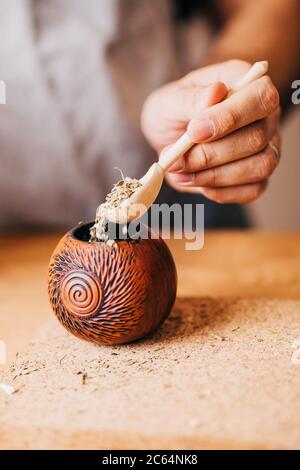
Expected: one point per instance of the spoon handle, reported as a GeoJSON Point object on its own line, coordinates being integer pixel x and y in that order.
{"type": "Point", "coordinates": [184, 143]}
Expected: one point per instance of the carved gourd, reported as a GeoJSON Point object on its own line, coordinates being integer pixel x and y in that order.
{"type": "Point", "coordinates": [111, 295]}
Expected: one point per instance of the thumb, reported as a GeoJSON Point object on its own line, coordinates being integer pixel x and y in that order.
{"type": "Point", "coordinates": [168, 110]}
{"type": "Point", "coordinates": [188, 101]}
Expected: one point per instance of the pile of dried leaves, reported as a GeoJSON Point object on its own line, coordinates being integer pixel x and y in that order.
{"type": "Point", "coordinates": [121, 191]}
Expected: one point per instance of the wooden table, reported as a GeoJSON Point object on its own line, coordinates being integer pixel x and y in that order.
{"type": "Point", "coordinates": [232, 263]}
{"type": "Point", "coordinates": [219, 374]}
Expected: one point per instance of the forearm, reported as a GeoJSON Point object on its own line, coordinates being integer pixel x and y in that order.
{"type": "Point", "coordinates": [263, 29]}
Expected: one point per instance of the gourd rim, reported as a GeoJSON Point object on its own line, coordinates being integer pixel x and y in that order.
{"type": "Point", "coordinates": [81, 234]}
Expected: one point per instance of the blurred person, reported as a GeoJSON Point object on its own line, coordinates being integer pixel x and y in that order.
{"type": "Point", "coordinates": [78, 74]}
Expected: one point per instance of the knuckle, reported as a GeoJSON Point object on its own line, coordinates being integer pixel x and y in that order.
{"type": "Point", "coordinates": [215, 176]}
{"type": "Point", "coordinates": [278, 113]}
{"type": "Point", "coordinates": [206, 155]}
{"type": "Point", "coordinates": [227, 121]}
{"type": "Point", "coordinates": [267, 164]}
{"type": "Point", "coordinates": [204, 178]}
{"type": "Point", "coordinates": [263, 168]}
{"type": "Point", "coordinates": [253, 193]}
{"type": "Point", "coordinates": [268, 95]}
{"type": "Point", "coordinates": [256, 191]}
{"type": "Point", "coordinates": [219, 198]}
{"type": "Point", "coordinates": [258, 137]}
{"type": "Point", "coordinates": [216, 195]}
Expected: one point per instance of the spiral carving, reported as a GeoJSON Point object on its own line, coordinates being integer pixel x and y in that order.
{"type": "Point", "coordinates": [81, 293]}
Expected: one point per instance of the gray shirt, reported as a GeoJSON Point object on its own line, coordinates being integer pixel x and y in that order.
{"type": "Point", "coordinates": [77, 74]}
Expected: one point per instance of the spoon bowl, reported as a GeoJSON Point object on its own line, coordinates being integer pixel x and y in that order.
{"type": "Point", "coordinates": [139, 202]}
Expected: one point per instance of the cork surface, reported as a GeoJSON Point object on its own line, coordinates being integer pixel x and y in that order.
{"type": "Point", "coordinates": [218, 374]}
{"type": "Point", "coordinates": [232, 263]}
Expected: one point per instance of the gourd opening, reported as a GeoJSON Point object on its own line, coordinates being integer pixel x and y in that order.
{"type": "Point", "coordinates": [117, 232]}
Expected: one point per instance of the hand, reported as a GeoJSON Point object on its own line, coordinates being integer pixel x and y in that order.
{"type": "Point", "coordinates": [237, 140]}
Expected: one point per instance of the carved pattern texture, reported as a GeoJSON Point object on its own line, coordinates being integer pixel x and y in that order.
{"type": "Point", "coordinates": [81, 293]}
{"type": "Point", "coordinates": [111, 294]}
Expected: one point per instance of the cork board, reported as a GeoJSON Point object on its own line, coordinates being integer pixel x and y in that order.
{"type": "Point", "coordinates": [218, 374]}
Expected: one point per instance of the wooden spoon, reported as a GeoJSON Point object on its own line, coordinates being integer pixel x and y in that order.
{"type": "Point", "coordinates": [140, 201]}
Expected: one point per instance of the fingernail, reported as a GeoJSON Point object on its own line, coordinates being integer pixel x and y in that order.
{"type": "Point", "coordinates": [201, 130]}
{"type": "Point", "coordinates": [178, 165]}
{"type": "Point", "coordinates": [181, 178]}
